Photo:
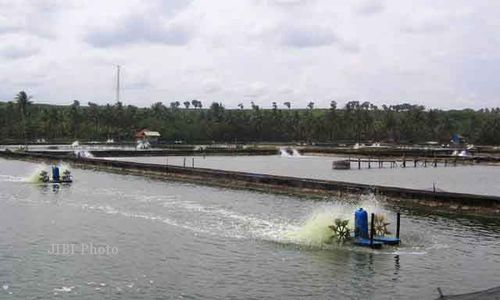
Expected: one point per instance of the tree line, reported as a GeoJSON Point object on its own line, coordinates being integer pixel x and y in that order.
{"type": "Point", "coordinates": [191, 121]}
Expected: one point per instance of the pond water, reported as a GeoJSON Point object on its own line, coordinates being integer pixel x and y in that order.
{"type": "Point", "coordinates": [483, 180]}
{"type": "Point", "coordinates": [137, 238]}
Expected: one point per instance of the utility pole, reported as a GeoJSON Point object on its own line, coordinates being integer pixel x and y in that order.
{"type": "Point", "coordinates": [118, 83]}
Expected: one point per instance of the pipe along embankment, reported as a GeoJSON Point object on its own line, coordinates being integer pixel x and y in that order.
{"type": "Point", "coordinates": [468, 204]}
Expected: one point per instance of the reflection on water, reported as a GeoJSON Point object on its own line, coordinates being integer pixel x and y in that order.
{"type": "Point", "coordinates": [186, 241]}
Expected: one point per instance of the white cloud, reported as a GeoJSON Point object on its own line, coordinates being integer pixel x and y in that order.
{"type": "Point", "coordinates": [140, 29]}
{"type": "Point", "coordinates": [431, 52]}
{"type": "Point", "coordinates": [17, 52]}
{"type": "Point", "coordinates": [307, 37]}
{"type": "Point", "coordinates": [255, 90]}
{"type": "Point", "coordinates": [368, 7]}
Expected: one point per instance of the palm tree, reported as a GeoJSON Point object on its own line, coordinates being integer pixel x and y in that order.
{"type": "Point", "coordinates": [93, 113]}
{"type": "Point", "coordinates": [175, 105]}
{"type": "Point", "coordinates": [74, 119]}
{"type": "Point", "coordinates": [196, 104]}
{"type": "Point", "coordinates": [23, 102]}
{"type": "Point", "coordinates": [45, 122]}
{"type": "Point", "coordinates": [287, 104]}
{"type": "Point", "coordinates": [187, 104]}
{"type": "Point", "coordinates": [310, 105]}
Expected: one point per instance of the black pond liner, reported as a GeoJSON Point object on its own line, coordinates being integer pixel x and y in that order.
{"type": "Point", "coordinates": [490, 294]}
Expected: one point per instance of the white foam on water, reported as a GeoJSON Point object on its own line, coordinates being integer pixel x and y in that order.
{"type": "Point", "coordinates": [218, 221]}
{"type": "Point", "coordinates": [236, 224]}
{"type": "Point", "coordinates": [146, 216]}
{"type": "Point", "coordinates": [398, 252]}
{"type": "Point", "coordinates": [312, 231]}
{"type": "Point", "coordinates": [155, 199]}
{"type": "Point", "coordinates": [10, 178]}
{"type": "Point", "coordinates": [64, 289]}
{"type": "Point", "coordinates": [34, 176]}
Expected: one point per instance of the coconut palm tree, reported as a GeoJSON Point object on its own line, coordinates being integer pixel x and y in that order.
{"type": "Point", "coordinates": [23, 102]}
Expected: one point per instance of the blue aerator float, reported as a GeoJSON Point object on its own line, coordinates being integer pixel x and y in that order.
{"type": "Point", "coordinates": [374, 238]}
{"type": "Point", "coordinates": [56, 178]}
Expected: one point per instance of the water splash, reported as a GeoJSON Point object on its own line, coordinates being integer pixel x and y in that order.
{"type": "Point", "coordinates": [464, 153]}
{"type": "Point", "coordinates": [83, 153]}
{"type": "Point", "coordinates": [63, 167]}
{"type": "Point", "coordinates": [141, 145]}
{"type": "Point", "coordinates": [296, 153]}
{"type": "Point", "coordinates": [289, 152]}
{"type": "Point", "coordinates": [314, 231]}
{"type": "Point", "coordinates": [284, 153]}
{"type": "Point", "coordinates": [34, 177]}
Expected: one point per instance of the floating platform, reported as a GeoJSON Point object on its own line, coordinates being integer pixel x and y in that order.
{"type": "Point", "coordinates": [367, 243]}
{"type": "Point", "coordinates": [341, 165]}
{"type": "Point", "coordinates": [387, 240]}
{"type": "Point", "coordinates": [58, 181]}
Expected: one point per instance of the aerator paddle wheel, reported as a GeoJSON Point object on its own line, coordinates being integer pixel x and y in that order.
{"type": "Point", "coordinates": [380, 225]}
{"type": "Point", "coordinates": [340, 229]}
{"type": "Point", "coordinates": [44, 176]}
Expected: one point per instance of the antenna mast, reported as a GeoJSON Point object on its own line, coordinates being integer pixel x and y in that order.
{"type": "Point", "coordinates": [118, 83]}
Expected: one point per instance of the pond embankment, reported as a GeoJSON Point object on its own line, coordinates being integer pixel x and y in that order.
{"type": "Point", "coordinates": [162, 152]}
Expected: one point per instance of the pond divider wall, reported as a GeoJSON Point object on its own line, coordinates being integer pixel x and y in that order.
{"type": "Point", "coordinates": [285, 184]}
{"type": "Point", "coordinates": [401, 153]}
{"type": "Point", "coordinates": [162, 152]}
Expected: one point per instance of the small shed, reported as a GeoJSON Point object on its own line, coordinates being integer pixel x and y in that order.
{"type": "Point", "coordinates": [147, 135]}
{"type": "Point", "coordinates": [457, 139]}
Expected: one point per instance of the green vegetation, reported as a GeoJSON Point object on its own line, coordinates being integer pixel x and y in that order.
{"type": "Point", "coordinates": [189, 121]}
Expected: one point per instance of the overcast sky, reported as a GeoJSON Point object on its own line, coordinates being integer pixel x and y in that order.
{"type": "Point", "coordinates": [443, 54]}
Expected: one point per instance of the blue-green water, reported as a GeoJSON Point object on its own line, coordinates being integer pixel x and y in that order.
{"type": "Point", "coordinates": [183, 241]}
